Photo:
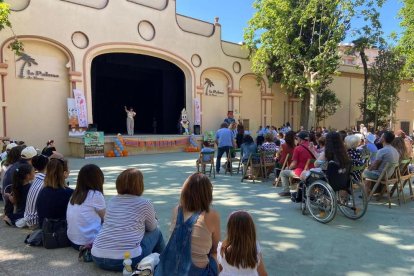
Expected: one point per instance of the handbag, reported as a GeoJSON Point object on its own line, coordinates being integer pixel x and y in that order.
{"type": "Point", "coordinates": [55, 233]}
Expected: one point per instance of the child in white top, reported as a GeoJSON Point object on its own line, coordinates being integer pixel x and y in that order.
{"type": "Point", "coordinates": [240, 254]}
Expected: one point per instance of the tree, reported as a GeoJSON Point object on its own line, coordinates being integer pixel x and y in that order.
{"type": "Point", "coordinates": [16, 45]}
{"type": "Point", "coordinates": [326, 104]}
{"type": "Point", "coordinates": [296, 43]}
{"type": "Point", "coordinates": [406, 43]}
{"type": "Point", "coordinates": [383, 87]}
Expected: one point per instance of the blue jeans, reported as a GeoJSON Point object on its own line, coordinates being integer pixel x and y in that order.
{"type": "Point", "coordinates": [176, 260]}
{"type": "Point", "coordinates": [151, 242]}
{"type": "Point", "coordinates": [220, 152]}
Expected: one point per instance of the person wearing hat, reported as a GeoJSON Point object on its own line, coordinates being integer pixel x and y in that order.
{"type": "Point", "coordinates": [372, 148]}
{"type": "Point", "coordinates": [301, 155]}
{"type": "Point", "coordinates": [3, 156]}
{"type": "Point", "coordinates": [25, 157]}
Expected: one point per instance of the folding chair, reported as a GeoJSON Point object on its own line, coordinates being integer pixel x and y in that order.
{"type": "Point", "coordinates": [233, 157]}
{"type": "Point", "coordinates": [255, 164]}
{"type": "Point", "coordinates": [386, 180]}
{"type": "Point", "coordinates": [405, 177]}
{"type": "Point", "coordinates": [206, 158]}
{"type": "Point", "coordinates": [284, 166]}
{"type": "Point", "coordinates": [268, 160]}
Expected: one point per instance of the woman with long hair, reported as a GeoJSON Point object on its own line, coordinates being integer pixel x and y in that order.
{"type": "Point", "coordinates": [22, 177]}
{"type": "Point", "coordinates": [240, 253]}
{"type": "Point", "coordinates": [286, 148]}
{"type": "Point", "coordinates": [53, 199]}
{"type": "Point", "coordinates": [195, 226]}
{"type": "Point", "coordinates": [130, 225]}
{"type": "Point", "coordinates": [399, 144]}
{"type": "Point", "coordinates": [86, 208]}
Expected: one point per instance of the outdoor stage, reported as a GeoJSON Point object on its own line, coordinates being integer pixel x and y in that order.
{"type": "Point", "coordinates": [138, 144]}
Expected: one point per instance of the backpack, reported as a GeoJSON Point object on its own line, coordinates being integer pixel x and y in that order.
{"type": "Point", "coordinates": [35, 238]}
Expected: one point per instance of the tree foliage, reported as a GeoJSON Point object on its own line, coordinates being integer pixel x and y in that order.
{"type": "Point", "coordinates": [295, 42]}
{"type": "Point", "coordinates": [16, 45]}
{"type": "Point", "coordinates": [406, 43]}
{"type": "Point", "coordinates": [383, 87]}
{"type": "Point", "coordinates": [326, 104]}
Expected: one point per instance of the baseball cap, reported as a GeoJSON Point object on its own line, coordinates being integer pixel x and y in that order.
{"type": "Point", "coordinates": [10, 146]}
{"type": "Point", "coordinates": [304, 135]}
{"type": "Point", "coordinates": [28, 152]}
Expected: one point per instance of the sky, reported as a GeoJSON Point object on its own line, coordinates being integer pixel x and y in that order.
{"type": "Point", "coordinates": [234, 15]}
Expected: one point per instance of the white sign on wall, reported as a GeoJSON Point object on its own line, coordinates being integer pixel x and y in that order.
{"type": "Point", "coordinates": [81, 107]}
{"type": "Point", "coordinates": [197, 111]}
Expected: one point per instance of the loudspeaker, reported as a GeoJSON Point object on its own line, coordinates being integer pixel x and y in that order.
{"type": "Point", "coordinates": [197, 129]}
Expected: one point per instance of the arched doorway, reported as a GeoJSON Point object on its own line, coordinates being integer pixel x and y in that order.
{"type": "Point", "coordinates": [155, 88]}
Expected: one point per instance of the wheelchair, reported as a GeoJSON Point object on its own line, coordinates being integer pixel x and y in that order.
{"type": "Point", "coordinates": [324, 192]}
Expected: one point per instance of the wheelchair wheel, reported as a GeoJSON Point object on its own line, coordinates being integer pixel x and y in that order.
{"type": "Point", "coordinates": [321, 201]}
{"type": "Point", "coordinates": [354, 205]}
{"type": "Point", "coordinates": [303, 202]}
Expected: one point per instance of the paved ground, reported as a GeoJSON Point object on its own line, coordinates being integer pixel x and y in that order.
{"type": "Point", "coordinates": [381, 243]}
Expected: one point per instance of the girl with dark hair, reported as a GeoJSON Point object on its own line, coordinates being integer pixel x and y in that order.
{"type": "Point", "coordinates": [22, 177]}
{"type": "Point", "coordinates": [86, 208]}
{"type": "Point", "coordinates": [240, 135]}
{"type": "Point", "coordinates": [287, 148]}
{"type": "Point", "coordinates": [49, 149]}
{"type": "Point", "coordinates": [248, 147]}
{"type": "Point", "coordinates": [53, 199]}
{"type": "Point", "coordinates": [195, 227]}
{"type": "Point", "coordinates": [239, 253]}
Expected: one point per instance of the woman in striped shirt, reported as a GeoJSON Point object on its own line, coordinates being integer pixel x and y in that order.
{"type": "Point", "coordinates": [39, 162]}
{"type": "Point", "coordinates": [130, 225]}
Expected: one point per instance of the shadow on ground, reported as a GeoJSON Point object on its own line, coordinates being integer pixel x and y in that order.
{"type": "Point", "coordinates": [381, 243]}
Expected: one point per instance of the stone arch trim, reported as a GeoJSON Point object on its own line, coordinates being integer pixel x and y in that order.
{"type": "Point", "coordinates": [262, 81]}
{"type": "Point", "coordinates": [221, 70]}
{"type": "Point", "coordinates": [43, 39]}
{"type": "Point", "coordinates": [134, 48]}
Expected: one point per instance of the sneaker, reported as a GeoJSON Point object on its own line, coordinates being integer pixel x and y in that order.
{"type": "Point", "coordinates": [284, 194]}
{"type": "Point", "coordinates": [20, 223]}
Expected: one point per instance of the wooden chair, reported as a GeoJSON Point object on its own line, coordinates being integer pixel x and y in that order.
{"type": "Point", "coordinates": [405, 177]}
{"type": "Point", "coordinates": [204, 159]}
{"type": "Point", "coordinates": [255, 164]}
{"type": "Point", "coordinates": [233, 157]}
{"type": "Point", "coordinates": [268, 161]}
{"type": "Point", "coordinates": [386, 180]}
{"type": "Point", "coordinates": [284, 166]}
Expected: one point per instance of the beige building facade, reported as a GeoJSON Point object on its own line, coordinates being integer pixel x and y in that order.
{"type": "Point", "coordinates": [142, 54]}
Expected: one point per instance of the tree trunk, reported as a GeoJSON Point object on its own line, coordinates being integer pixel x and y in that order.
{"type": "Point", "coordinates": [365, 66]}
{"type": "Point", "coordinates": [304, 114]}
{"type": "Point", "coordinates": [312, 110]}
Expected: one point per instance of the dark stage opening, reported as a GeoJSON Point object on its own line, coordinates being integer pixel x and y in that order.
{"type": "Point", "coordinates": [153, 87]}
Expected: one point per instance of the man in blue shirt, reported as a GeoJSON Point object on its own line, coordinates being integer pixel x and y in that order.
{"type": "Point", "coordinates": [230, 118]}
{"type": "Point", "coordinates": [224, 141]}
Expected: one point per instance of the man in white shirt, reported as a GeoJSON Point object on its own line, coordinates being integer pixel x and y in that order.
{"type": "Point", "coordinates": [130, 120]}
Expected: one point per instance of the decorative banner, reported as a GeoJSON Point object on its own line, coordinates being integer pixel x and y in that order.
{"type": "Point", "coordinates": [81, 106]}
{"type": "Point", "coordinates": [74, 129]}
{"type": "Point", "coordinates": [197, 110]}
{"type": "Point", "coordinates": [94, 144]}
{"type": "Point", "coordinates": [134, 142]}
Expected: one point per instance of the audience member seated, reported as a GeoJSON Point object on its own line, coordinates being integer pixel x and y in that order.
{"type": "Point", "coordinates": [22, 178]}
{"type": "Point", "coordinates": [53, 199]}
{"type": "Point", "coordinates": [269, 148]}
{"type": "Point", "coordinates": [130, 225]}
{"type": "Point", "coordinates": [248, 147]}
{"type": "Point", "coordinates": [195, 232]}
{"type": "Point", "coordinates": [387, 154]}
{"type": "Point", "coordinates": [407, 142]}
{"type": "Point", "coordinates": [49, 149]}
{"type": "Point", "coordinates": [30, 213]}
{"type": "Point", "coordinates": [86, 208]}
{"type": "Point", "coordinates": [240, 253]}
{"type": "Point", "coordinates": [12, 157]}
{"type": "Point", "coordinates": [286, 148]}
{"type": "Point", "coordinates": [372, 148]}
{"type": "Point", "coordinates": [301, 155]}
{"type": "Point", "coordinates": [206, 158]}
{"type": "Point", "coordinates": [351, 144]}
{"type": "Point", "coordinates": [240, 135]}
